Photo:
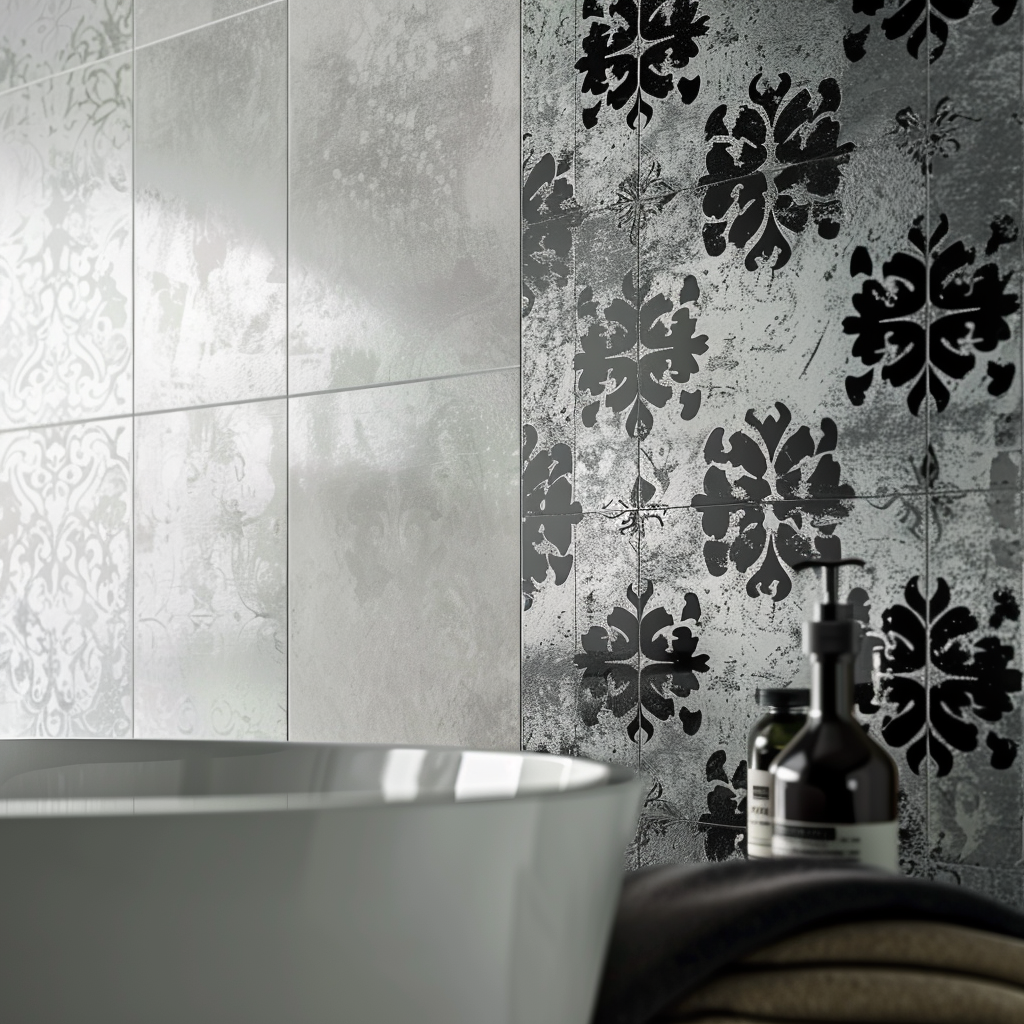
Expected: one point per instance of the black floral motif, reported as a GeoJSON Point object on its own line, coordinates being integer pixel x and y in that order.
{"type": "Point", "coordinates": [668, 674]}
{"type": "Point", "coordinates": [767, 173]}
{"type": "Point", "coordinates": [547, 492]}
{"type": "Point", "coordinates": [727, 805]}
{"type": "Point", "coordinates": [970, 307]}
{"type": "Point", "coordinates": [615, 369]}
{"type": "Point", "coordinates": [939, 140]}
{"type": "Point", "coordinates": [792, 496]}
{"type": "Point", "coordinates": [639, 512]}
{"type": "Point", "coordinates": [920, 19]}
{"type": "Point", "coordinates": [971, 684]}
{"type": "Point", "coordinates": [549, 213]}
{"type": "Point", "coordinates": [641, 197]}
{"type": "Point", "coordinates": [637, 51]}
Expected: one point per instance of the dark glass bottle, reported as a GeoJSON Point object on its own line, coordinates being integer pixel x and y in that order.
{"type": "Point", "coordinates": [834, 789]}
{"type": "Point", "coordinates": [785, 714]}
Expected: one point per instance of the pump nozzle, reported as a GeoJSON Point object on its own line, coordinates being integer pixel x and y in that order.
{"type": "Point", "coordinates": [830, 577]}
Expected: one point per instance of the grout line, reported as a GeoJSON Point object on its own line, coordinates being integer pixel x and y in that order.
{"type": "Point", "coordinates": [248, 401]}
{"type": "Point", "coordinates": [927, 449]}
{"type": "Point", "coordinates": [287, 373]}
{"type": "Point", "coordinates": [134, 432]}
{"type": "Point", "coordinates": [66, 71]}
{"type": "Point", "coordinates": [522, 719]}
{"type": "Point", "coordinates": [639, 558]}
{"type": "Point", "coordinates": [205, 25]}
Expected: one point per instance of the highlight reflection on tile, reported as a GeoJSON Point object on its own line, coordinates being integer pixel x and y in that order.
{"type": "Point", "coordinates": [158, 19]}
{"type": "Point", "coordinates": [404, 612]}
{"type": "Point", "coordinates": [65, 581]}
{"type": "Point", "coordinates": [404, 195]}
{"type": "Point", "coordinates": [210, 568]}
{"type": "Point", "coordinates": [65, 247]}
{"type": "Point", "coordinates": [42, 37]}
{"type": "Point", "coordinates": [210, 214]}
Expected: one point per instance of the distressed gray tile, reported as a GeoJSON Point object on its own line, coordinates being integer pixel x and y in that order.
{"type": "Point", "coordinates": [976, 165]}
{"type": "Point", "coordinates": [975, 790]}
{"type": "Point", "coordinates": [666, 840]}
{"type": "Point", "coordinates": [210, 571]}
{"type": "Point", "coordinates": [65, 247]}
{"type": "Point", "coordinates": [789, 317]}
{"type": "Point", "coordinates": [403, 550]}
{"type": "Point", "coordinates": [1006, 887]}
{"type": "Point", "coordinates": [65, 582]}
{"type": "Point", "coordinates": [404, 163]}
{"type": "Point", "coordinates": [158, 19]}
{"type": "Point", "coordinates": [42, 37]}
{"type": "Point", "coordinates": [210, 216]}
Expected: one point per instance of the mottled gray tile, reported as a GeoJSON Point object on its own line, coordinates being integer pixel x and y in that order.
{"type": "Point", "coordinates": [403, 549]}
{"type": "Point", "coordinates": [790, 311]}
{"type": "Point", "coordinates": [976, 164]}
{"type": "Point", "coordinates": [1006, 887]}
{"type": "Point", "coordinates": [210, 573]}
{"type": "Point", "coordinates": [974, 691]}
{"type": "Point", "coordinates": [65, 581]}
{"type": "Point", "coordinates": [823, 82]}
{"type": "Point", "coordinates": [65, 247]}
{"type": "Point", "coordinates": [158, 19]}
{"type": "Point", "coordinates": [404, 168]}
{"type": "Point", "coordinates": [667, 840]}
{"type": "Point", "coordinates": [210, 216]}
{"type": "Point", "coordinates": [42, 37]}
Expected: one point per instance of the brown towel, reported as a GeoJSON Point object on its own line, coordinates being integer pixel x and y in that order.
{"type": "Point", "coordinates": [853, 995]}
{"type": "Point", "coordinates": [920, 944]}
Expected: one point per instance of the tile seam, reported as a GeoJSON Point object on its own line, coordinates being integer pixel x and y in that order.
{"type": "Point", "coordinates": [207, 24]}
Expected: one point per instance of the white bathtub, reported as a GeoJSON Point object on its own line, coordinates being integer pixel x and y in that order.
{"type": "Point", "coordinates": [152, 881]}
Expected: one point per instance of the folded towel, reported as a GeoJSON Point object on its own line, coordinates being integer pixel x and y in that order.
{"type": "Point", "coordinates": [680, 924]}
{"type": "Point", "coordinates": [858, 994]}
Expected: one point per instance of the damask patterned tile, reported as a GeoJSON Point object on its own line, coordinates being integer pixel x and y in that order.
{"type": "Point", "coordinates": [665, 840]}
{"type": "Point", "coordinates": [65, 581]}
{"type": "Point", "coordinates": [815, 78]}
{"type": "Point", "coordinates": [976, 165]}
{"type": "Point", "coordinates": [42, 37]}
{"type": "Point", "coordinates": [210, 186]}
{"type": "Point", "coordinates": [403, 549]}
{"type": "Point", "coordinates": [974, 664]}
{"type": "Point", "coordinates": [723, 616]}
{"type": "Point", "coordinates": [1006, 887]}
{"type": "Point", "coordinates": [404, 163]}
{"type": "Point", "coordinates": [210, 556]}
{"type": "Point", "coordinates": [158, 19]}
{"type": "Point", "coordinates": [768, 331]}
{"type": "Point", "coordinates": [65, 247]}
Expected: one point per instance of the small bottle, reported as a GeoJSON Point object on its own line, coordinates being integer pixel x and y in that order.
{"type": "Point", "coordinates": [786, 712]}
{"type": "Point", "coordinates": [834, 789]}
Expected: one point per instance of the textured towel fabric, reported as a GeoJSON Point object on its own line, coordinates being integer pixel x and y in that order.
{"type": "Point", "coordinates": [678, 925]}
{"type": "Point", "coordinates": [920, 944]}
{"type": "Point", "coordinates": [855, 994]}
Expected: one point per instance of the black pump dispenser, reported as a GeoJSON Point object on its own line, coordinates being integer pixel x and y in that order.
{"type": "Point", "coordinates": [834, 789]}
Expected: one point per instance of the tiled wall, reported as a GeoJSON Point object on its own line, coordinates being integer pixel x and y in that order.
{"type": "Point", "coordinates": [771, 311]}
{"type": "Point", "coordinates": [259, 369]}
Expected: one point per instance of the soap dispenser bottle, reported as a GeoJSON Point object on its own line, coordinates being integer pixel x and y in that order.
{"type": "Point", "coordinates": [834, 789]}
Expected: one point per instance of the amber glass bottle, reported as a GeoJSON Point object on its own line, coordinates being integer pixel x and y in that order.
{"type": "Point", "coordinates": [833, 788]}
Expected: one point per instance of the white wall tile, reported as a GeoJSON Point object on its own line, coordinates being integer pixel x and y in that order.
{"type": "Point", "coordinates": [210, 171]}
{"type": "Point", "coordinates": [403, 564]}
{"type": "Point", "coordinates": [65, 581]}
{"type": "Point", "coordinates": [65, 247]}
{"type": "Point", "coordinates": [158, 19]}
{"type": "Point", "coordinates": [210, 557]}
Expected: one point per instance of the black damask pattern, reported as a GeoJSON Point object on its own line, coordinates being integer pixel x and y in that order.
{"type": "Point", "coordinates": [776, 168]}
{"type": "Point", "coordinates": [970, 310]}
{"type": "Point", "coordinates": [667, 675]}
{"type": "Point", "coordinates": [971, 684]}
{"type": "Point", "coordinates": [635, 51]}
{"type": "Point", "coordinates": [547, 492]}
{"type": "Point", "coordinates": [641, 197]}
{"type": "Point", "coordinates": [549, 214]}
{"type": "Point", "coordinates": [792, 500]}
{"type": "Point", "coordinates": [635, 351]}
{"type": "Point", "coordinates": [938, 138]}
{"type": "Point", "coordinates": [727, 805]}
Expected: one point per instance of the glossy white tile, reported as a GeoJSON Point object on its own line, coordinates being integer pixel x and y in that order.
{"type": "Point", "coordinates": [65, 247]}
{"type": "Point", "coordinates": [210, 551]}
{"type": "Point", "coordinates": [403, 598]}
{"type": "Point", "coordinates": [404, 198]}
{"type": "Point", "coordinates": [65, 581]}
{"type": "Point", "coordinates": [158, 19]}
{"type": "Point", "coordinates": [210, 213]}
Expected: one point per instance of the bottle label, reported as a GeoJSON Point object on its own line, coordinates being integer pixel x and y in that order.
{"type": "Point", "coordinates": [875, 844]}
{"type": "Point", "coordinates": [759, 813]}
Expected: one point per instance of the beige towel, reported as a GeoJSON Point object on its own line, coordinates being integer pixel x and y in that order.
{"type": "Point", "coordinates": [855, 995]}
